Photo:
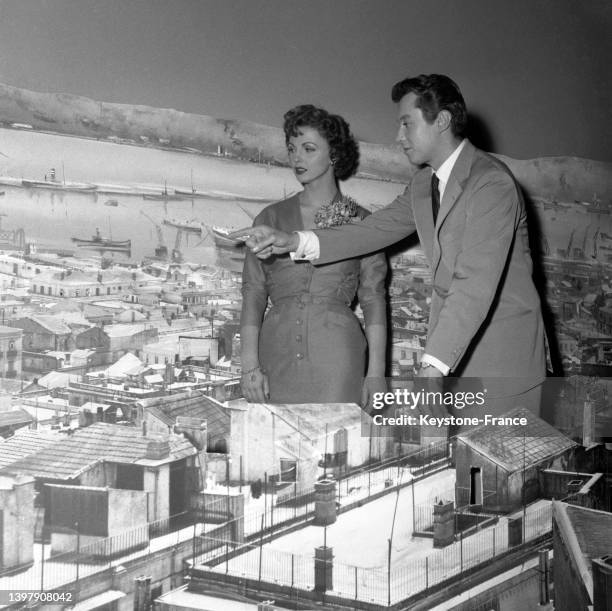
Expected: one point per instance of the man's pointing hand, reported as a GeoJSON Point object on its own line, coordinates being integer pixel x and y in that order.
{"type": "Point", "coordinates": [265, 241]}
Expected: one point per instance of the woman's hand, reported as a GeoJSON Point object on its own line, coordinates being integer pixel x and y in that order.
{"type": "Point", "coordinates": [370, 386]}
{"type": "Point", "coordinates": [255, 388]}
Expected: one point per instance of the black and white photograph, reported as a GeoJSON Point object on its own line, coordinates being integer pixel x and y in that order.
{"type": "Point", "coordinates": [306, 305]}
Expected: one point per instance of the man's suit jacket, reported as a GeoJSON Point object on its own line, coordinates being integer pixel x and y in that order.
{"type": "Point", "coordinates": [485, 318]}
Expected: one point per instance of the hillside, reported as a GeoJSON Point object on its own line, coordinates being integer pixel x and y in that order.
{"type": "Point", "coordinates": [561, 178]}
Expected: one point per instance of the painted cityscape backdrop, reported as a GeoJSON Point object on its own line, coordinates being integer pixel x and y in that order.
{"type": "Point", "coordinates": [88, 185]}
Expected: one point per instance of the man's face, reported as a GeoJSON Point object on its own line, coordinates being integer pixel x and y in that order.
{"type": "Point", "coordinates": [418, 138]}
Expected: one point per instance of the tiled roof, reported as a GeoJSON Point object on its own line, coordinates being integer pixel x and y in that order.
{"type": "Point", "coordinates": [72, 454]}
{"type": "Point", "coordinates": [52, 324]}
{"type": "Point", "coordinates": [159, 414]}
{"type": "Point", "coordinates": [58, 379]}
{"type": "Point", "coordinates": [10, 331]}
{"type": "Point", "coordinates": [128, 364]}
{"type": "Point", "coordinates": [126, 329]}
{"type": "Point", "coordinates": [586, 535]}
{"type": "Point", "coordinates": [312, 419]}
{"type": "Point", "coordinates": [514, 447]}
{"type": "Point", "coordinates": [24, 443]}
{"type": "Point", "coordinates": [593, 530]}
{"type": "Point", "coordinates": [15, 416]}
{"type": "Point", "coordinates": [194, 405]}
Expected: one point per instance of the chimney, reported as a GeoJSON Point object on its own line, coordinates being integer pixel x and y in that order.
{"type": "Point", "coordinates": [169, 373]}
{"type": "Point", "coordinates": [158, 448]}
{"type": "Point", "coordinates": [588, 423]}
{"type": "Point", "coordinates": [142, 593]}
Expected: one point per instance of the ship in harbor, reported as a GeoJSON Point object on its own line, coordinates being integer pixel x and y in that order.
{"type": "Point", "coordinates": [164, 196]}
{"type": "Point", "coordinates": [596, 206]}
{"type": "Point", "coordinates": [192, 226]}
{"type": "Point", "coordinates": [99, 242]}
{"type": "Point", "coordinates": [58, 185]}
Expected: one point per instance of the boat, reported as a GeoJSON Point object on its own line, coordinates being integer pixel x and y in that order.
{"type": "Point", "coordinates": [192, 226]}
{"type": "Point", "coordinates": [221, 195]}
{"type": "Point", "coordinates": [100, 242]}
{"type": "Point", "coordinates": [164, 196]}
{"type": "Point", "coordinates": [58, 185]}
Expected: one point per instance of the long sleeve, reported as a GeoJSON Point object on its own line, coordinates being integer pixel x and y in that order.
{"type": "Point", "coordinates": [254, 292]}
{"type": "Point", "coordinates": [479, 271]}
{"type": "Point", "coordinates": [379, 230]}
{"type": "Point", "coordinates": [371, 291]}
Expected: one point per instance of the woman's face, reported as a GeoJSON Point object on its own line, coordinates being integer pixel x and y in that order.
{"type": "Point", "coordinates": [309, 156]}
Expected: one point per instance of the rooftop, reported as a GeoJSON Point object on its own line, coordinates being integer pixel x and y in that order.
{"type": "Point", "coordinates": [71, 454]}
{"type": "Point", "coordinates": [586, 533]}
{"type": "Point", "coordinates": [514, 447]}
{"type": "Point", "coordinates": [15, 416]}
{"type": "Point", "coordinates": [314, 419]}
{"type": "Point", "coordinates": [9, 331]}
{"type": "Point", "coordinates": [24, 443]}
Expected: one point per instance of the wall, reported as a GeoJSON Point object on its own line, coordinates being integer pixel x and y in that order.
{"type": "Point", "coordinates": [494, 478]}
{"type": "Point", "coordinates": [126, 509]}
{"type": "Point", "coordinates": [157, 482]}
{"type": "Point", "coordinates": [17, 520]}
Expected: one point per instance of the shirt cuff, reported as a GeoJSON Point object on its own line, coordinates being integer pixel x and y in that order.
{"type": "Point", "coordinates": [437, 363]}
{"type": "Point", "coordinates": [308, 248]}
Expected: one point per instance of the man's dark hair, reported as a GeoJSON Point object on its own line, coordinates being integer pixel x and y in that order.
{"type": "Point", "coordinates": [435, 92]}
{"type": "Point", "coordinates": [343, 146]}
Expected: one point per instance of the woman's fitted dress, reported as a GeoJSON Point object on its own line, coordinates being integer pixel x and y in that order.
{"type": "Point", "coordinates": [311, 345]}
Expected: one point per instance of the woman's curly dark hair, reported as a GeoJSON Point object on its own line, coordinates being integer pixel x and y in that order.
{"type": "Point", "coordinates": [343, 146]}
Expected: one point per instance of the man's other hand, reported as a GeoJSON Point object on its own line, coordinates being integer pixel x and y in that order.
{"type": "Point", "coordinates": [265, 241]}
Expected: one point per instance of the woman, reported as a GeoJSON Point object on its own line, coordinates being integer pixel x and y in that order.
{"type": "Point", "coordinates": [310, 347]}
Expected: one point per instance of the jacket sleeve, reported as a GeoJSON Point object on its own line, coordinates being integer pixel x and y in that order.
{"type": "Point", "coordinates": [254, 291]}
{"type": "Point", "coordinates": [493, 215]}
{"type": "Point", "coordinates": [379, 230]}
{"type": "Point", "coordinates": [371, 291]}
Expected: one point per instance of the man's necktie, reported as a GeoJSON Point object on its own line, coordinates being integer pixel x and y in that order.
{"type": "Point", "coordinates": [435, 197]}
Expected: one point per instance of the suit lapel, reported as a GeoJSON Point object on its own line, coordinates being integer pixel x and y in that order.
{"type": "Point", "coordinates": [452, 192]}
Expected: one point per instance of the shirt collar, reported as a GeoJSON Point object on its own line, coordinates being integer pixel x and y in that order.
{"type": "Point", "coordinates": [444, 171]}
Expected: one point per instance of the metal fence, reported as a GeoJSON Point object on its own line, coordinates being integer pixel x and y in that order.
{"type": "Point", "coordinates": [51, 570]}
{"type": "Point", "coordinates": [400, 580]}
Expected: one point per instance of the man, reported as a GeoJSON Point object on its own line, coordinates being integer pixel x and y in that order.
{"type": "Point", "coordinates": [485, 318]}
